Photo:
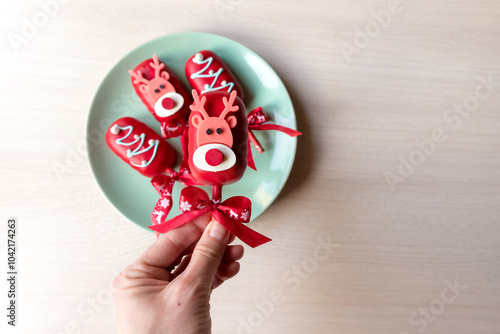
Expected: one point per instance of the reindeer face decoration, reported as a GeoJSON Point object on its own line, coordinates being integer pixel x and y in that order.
{"type": "Point", "coordinates": [160, 90]}
{"type": "Point", "coordinates": [218, 140]}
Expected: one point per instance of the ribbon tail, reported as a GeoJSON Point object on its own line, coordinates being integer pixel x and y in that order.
{"type": "Point", "coordinates": [244, 233]}
{"type": "Point", "coordinates": [288, 131]}
{"type": "Point", "coordinates": [179, 220]}
{"type": "Point", "coordinates": [255, 141]}
{"type": "Point", "coordinates": [250, 161]}
{"type": "Point", "coordinates": [164, 186]}
{"type": "Point", "coordinates": [164, 130]}
{"type": "Point", "coordinates": [162, 207]}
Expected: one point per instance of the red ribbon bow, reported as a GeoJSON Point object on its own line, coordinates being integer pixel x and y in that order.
{"type": "Point", "coordinates": [256, 120]}
{"type": "Point", "coordinates": [173, 129]}
{"type": "Point", "coordinates": [231, 214]}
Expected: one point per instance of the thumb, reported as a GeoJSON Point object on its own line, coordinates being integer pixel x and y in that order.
{"type": "Point", "coordinates": [208, 254]}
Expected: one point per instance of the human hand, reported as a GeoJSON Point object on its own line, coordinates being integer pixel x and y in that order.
{"type": "Point", "coordinates": [167, 290]}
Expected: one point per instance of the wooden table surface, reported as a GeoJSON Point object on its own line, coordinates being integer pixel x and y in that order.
{"type": "Point", "coordinates": [389, 222]}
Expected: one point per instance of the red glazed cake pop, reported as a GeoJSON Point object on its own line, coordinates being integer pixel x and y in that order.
{"type": "Point", "coordinates": [218, 148]}
{"type": "Point", "coordinates": [140, 147]}
{"type": "Point", "coordinates": [206, 72]}
{"type": "Point", "coordinates": [163, 94]}
{"type": "Point", "coordinates": [218, 138]}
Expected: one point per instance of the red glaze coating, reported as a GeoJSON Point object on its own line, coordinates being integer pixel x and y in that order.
{"type": "Point", "coordinates": [171, 83]}
{"type": "Point", "coordinates": [162, 161]}
{"type": "Point", "coordinates": [231, 128]}
{"type": "Point", "coordinates": [198, 83]}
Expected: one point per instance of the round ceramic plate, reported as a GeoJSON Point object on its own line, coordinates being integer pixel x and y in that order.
{"type": "Point", "coordinates": [130, 192]}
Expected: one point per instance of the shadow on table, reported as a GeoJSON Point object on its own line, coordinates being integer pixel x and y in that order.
{"type": "Point", "coordinates": [304, 158]}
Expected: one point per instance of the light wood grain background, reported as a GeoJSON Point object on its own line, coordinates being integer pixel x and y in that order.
{"type": "Point", "coordinates": [393, 251]}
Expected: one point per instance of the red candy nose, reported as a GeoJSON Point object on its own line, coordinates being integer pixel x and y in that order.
{"type": "Point", "coordinates": [214, 157]}
{"type": "Point", "coordinates": [168, 103]}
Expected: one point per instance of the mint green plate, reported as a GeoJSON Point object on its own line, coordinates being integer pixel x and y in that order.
{"type": "Point", "coordinates": [131, 193]}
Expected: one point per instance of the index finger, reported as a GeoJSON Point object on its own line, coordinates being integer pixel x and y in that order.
{"type": "Point", "coordinates": [173, 243]}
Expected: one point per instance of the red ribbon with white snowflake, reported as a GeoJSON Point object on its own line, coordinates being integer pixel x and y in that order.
{"type": "Point", "coordinates": [256, 120]}
{"type": "Point", "coordinates": [164, 185]}
{"type": "Point", "coordinates": [233, 213]}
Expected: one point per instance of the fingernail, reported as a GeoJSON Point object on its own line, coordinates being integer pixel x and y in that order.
{"type": "Point", "coordinates": [217, 231]}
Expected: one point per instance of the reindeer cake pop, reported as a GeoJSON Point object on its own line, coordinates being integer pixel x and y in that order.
{"type": "Point", "coordinates": [218, 144]}
{"type": "Point", "coordinates": [163, 94]}
{"type": "Point", "coordinates": [217, 138]}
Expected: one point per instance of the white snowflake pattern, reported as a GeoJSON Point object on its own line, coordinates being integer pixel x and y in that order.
{"type": "Point", "coordinates": [164, 203]}
{"type": "Point", "coordinates": [185, 206]}
{"type": "Point", "coordinates": [245, 215]}
{"type": "Point", "coordinates": [233, 214]}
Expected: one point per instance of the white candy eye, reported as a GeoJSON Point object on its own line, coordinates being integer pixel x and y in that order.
{"type": "Point", "coordinates": [200, 158]}
{"type": "Point", "coordinates": [151, 142]}
{"type": "Point", "coordinates": [224, 82]}
{"type": "Point", "coordinates": [169, 104]}
{"type": "Point", "coordinates": [211, 72]}
{"type": "Point", "coordinates": [207, 86]}
{"type": "Point", "coordinates": [136, 137]}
